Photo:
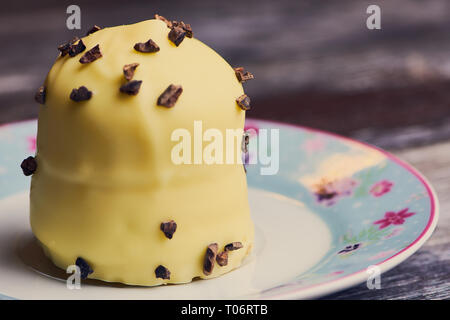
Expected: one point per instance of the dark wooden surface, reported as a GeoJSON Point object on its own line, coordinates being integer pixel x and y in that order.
{"type": "Point", "coordinates": [316, 64]}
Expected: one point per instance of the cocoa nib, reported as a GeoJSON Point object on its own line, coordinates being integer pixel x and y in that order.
{"type": "Point", "coordinates": [170, 96]}
{"type": "Point", "coordinates": [167, 22]}
{"type": "Point", "coordinates": [29, 166]}
{"type": "Point", "coordinates": [132, 87]}
{"type": "Point", "coordinates": [244, 102]}
{"type": "Point", "coordinates": [146, 47]}
{"type": "Point", "coordinates": [95, 28]}
{"type": "Point", "coordinates": [64, 48]}
{"type": "Point", "coordinates": [80, 94]}
{"type": "Point", "coordinates": [91, 55]}
{"type": "Point", "coordinates": [40, 95]}
{"type": "Point", "coordinates": [172, 24]}
{"type": "Point", "coordinates": [76, 48]}
{"type": "Point", "coordinates": [186, 27]}
{"type": "Point", "coordinates": [85, 268]}
{"type": "Point", "coordinates": [233, 246]}
{"type": "Point", "coordinates": [222, 258]}
{"type": "Point", "coordinates": [169, 228]}
{"type": "Point", "coordinates": [243, 75]}
{"type": "Point", "coordinates": [129, 69]}
{"type": "Point", "coordinates": [210, 257]}
{"type": "Point", "coordinates": [176, 35]}
{"type": "Point", "coordinates": [162, 272]}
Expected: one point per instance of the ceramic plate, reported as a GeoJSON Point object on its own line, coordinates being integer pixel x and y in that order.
{"type": "Point", "coordinates": [335, 209]}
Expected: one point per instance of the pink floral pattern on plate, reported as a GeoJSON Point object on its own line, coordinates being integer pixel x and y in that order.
{"type": "Point", "coordinates": [380, 188]}
{"type": "Point", "coordinates": [394, 218]}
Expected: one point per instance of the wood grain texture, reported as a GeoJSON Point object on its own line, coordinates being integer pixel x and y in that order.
{"type": "Point", "coordinates": [315, 62]}
{"type": "Point", "coordinates": [426, 274]}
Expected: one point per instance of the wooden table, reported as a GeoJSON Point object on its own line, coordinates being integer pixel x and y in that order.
{"type": "Point", "coordinates": [316, 64]}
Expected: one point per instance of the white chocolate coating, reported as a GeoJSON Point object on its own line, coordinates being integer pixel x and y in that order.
{"type": "Point", "coordinates": [105, 180]}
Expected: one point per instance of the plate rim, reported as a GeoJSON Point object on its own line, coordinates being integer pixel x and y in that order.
{"type": "Point", "coordinates": [357, 277]}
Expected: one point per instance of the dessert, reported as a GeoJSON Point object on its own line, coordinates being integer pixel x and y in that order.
{"type": "Point", "coordinates": [105, 194]}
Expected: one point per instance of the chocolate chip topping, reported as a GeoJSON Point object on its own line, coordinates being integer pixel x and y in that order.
{"type": "Point", "coordinates": [146, 47]}
{"type": "Point", "coordinates": [180, 24]}
{"type": "Point", "coordinates": [64, 48]}
{"type": "Point", "coordinates": [76, 48]}
{"type": "Point", "coordinates": [80, 94]}
{"type": "Point", "coordinates": [176, 35]}
{"type": "Point", "coordinates": [169, 228]}
{"type": "Point", "coordinates": [222, 258]}
{"type": "Point", "coordinates": [95, 28]}
{"type": "Point", "coordinates": [170, 96]}
{"type": "Point", "coordinates": [91, 55]}
{"type": "Point", "coordinates": [132, 87]}
{"type": "Point", "coordinates": [244, 102]}
{"type": "Point", "coordinates": [29, 166]}
{"type": "Point", "coordinates": [243, 75]}
{"type": "Point", "coordinates": [233, 246]}
{"type": "Point", "coordinates": [162, 272]}
{"type": "Point", "coordinates": [129, 69]}
{"type": "Point", "coordinates": [210, 257]}
{"type": "Point", "coordinates": [85, 269]}
{"type": "Point", "coordinates": [168, 23]}
{"type": "Point", "coordinates": [40, 95]}
{"type": "Point", "coordinates": [186, 27]}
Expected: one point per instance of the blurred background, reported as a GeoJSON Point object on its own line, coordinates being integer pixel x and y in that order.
{"type": "Point", "coordinates": [315, 63]}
